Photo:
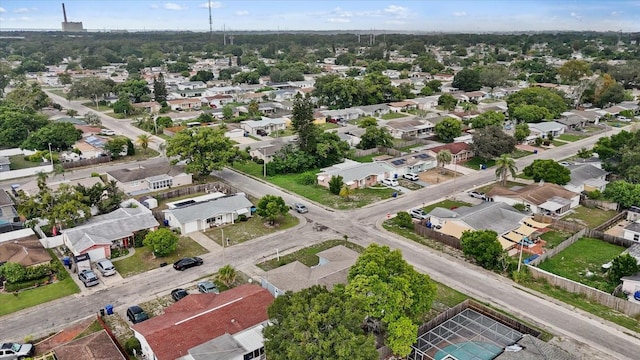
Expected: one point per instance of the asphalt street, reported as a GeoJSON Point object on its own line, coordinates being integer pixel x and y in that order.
{"type": "Point", "coordinates": [363, 227]}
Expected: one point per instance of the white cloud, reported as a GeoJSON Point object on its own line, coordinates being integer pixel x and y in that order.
{"type": "Point", "coordinates": [576, 16]}
{"type": "Point", "coordinates": [172, 6]}
{"type": "Point", "coordinates": [615, 13]}
{"type": "Point", "coordinates": [398, 11]}
{"type": "Point", "coordinates": [2, 10]}
{"type": "Point", "coordinates": [214, 5]}
{"type": "Point", "coordinates": [154, 6]}
{"type": "Point", "coordinates": [242, 13]}
{"type": "Point", "coordinates": [459, 14]}
{"type": "Point", "coordinates": [338, 20]}
{"type": "Point", "coordinates": [24, 10]}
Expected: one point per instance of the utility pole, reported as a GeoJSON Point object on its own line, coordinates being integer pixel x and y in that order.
{"type": "Point", "coordinates": [210, 21]}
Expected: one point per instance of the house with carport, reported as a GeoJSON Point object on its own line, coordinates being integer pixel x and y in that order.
{"type": "Point", "coordinates": [100, 233]}
{"type": "Point", "coordinates": [410, 129]}
{"type": "Point", "coordinates": [225, 326]}
{"type": "Point", "coordinates": [586, 177]}
{"type": "Point", "coordinates": [539, 198]}
{"type": "Point", "coordinates": [204, 212]}
{"type": "Point", "coordinates": [415, 162]}
{"type": "Point", "coordinates": [356, 175]}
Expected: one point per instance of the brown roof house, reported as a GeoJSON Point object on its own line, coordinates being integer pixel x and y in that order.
{"type": "Point", "coordinates": [23, 247]}
{"type": "Point", "coordinates": [540, 198]}
{"type": "Point", "coordinates": [208, 326]}
{"type": "Point", "coordinates": [96, 346]}
{"type": "Point", "coordinates": [141, 180]}
{"type": "Point", "coordinates": [333, 268]}
{"type": "Point", "coordinates": [460, 151]}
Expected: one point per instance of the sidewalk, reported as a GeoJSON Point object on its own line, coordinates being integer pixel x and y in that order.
{"type": "Point", "coordinates": [460, 169]}
{"type": "Point", "coordinates": [205, 241]}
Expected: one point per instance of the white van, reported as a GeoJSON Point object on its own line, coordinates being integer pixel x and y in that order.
{"type": "Point", "coordinates": [107, 132]}
{"type": "Point", "coordinates": [411, 176]}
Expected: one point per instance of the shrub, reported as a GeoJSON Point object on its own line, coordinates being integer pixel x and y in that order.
{"type": "Point", "coordinates": [132, 344]}
{"type": "Point", "coordinates": [138, 238]}
{"type": "Point", "coordinates": [335, 184]}
{"type": "Point", "coordinates": [242, 217]}
{"type": "Point", "coordinates": [520, 207]}
{"type": "Point", "coordinates": [403, 219]}
{"type": "Point", "coordinates": [594, 195]}
{"type": "Point", "coordinates": [95, 174]}
{"type": "Point", "coordinates": [307, 178]}
{"type": "Point", "coordinates": [538, 141]}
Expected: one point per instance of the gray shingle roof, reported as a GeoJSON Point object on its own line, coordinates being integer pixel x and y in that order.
{"type": "Point", "coordinates": [359, 171]}
{"type": "Point", "coordinates": [104, 229]}
{"type": "Point", "coordinates": [211, 208]}
{"type": "Point", "coordinates": [536, 349]}
{"type": "Point", "coordinates": [128, 175]}
{"type": "Point", "coordinates": [497, 216]}
{"type": "Point", "coordinates": [583, 172]}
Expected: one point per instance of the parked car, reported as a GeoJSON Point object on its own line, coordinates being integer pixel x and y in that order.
{"type": "Point", "coordinates": [13, 351]}
{"type": "Point", "coordinates": [107, 132]}
{"type": "Point", "coordinates": [106, 268]}
{"type": "Point", "coordinates": [300, 208]}
{"type": "Point", "coordinates": [136, 314]}
{"type": "Point", "coordinates": [88, 278]}
{"type": "Point", "coordinates": [418, 214]}
{"type": "Point", "coordinates": [206, 287]}
{"type": "Point", "coordinates": [411, 176]}
{"type": "Point", "coordinates": [477, 195]}
{"type": "Point", "coordinates": [261, 132]}
{"type": "Point", "coordinates": [178, 294]}
{"type": "Point", "coordinates": [186, 263]}
{"type": "Point", "coordinates": [390, 182]}
{"type": "Point", "coordinates": [623, 118]}
{"type": "Point", "coordinates": [564, 163]}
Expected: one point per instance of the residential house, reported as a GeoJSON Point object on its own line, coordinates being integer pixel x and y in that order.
{"type": "Point", "coordinates": [427, 102]}
{"type": "Point", "coordinates": [410, 129]}
{"type": "Point", "coordinates": [613, 110]}
{"type": "Point", "coordinates": [460, 151]}
{"type": "Point", "coordinates": [544, 128]}
{"type": "Point", "coordinates": [284, 94]}
{"type": "Point", "coordinates": [184, 104]}
{"type": "Point", "coordinates": [374, 110]}
{"type": "Point", "coordinates": [632, 231]}
{"type": "Point", "coordinates": [631, 106]}
{"type": "Point", "coordinates": [476, 96]}
{"type": "Point", "coordinates": [572, 121]}
{"type": "Point", "coordinates": [192, 215]}
{"type": "Point", "coordinates": [412, 163]}
{"type": "Point", "coordinates": [267, 124]}
{"type": "Point", "coordinates": [100, 233]}
{"type": "Point", "coordinates": [589, 115]}
{"type": "Point", "coordinates": [402, 106]}
{"type": "Point", "coordinates": [192, 85]}
{"type": "Point", "coordinates": [631, 286]}
{"type": "Point", "coordinates": [343, 114]}
{"type": "Point", "coordinates": [350, 138]}
{"type": "Point", "coordinates": [23, 247]}
{"type": "Point", "coordinates": [150, 107]}
{"type": "Point", "coordinates": [31, 188]}
{"type": "Point", "coordinates": [90, 147]}
{"type": "Point", "coordinates": [5, 164]}
{"type": "Point", "coordinates": [225, 326]}
{"type": "Point", "coordinates": [140, 180]}
{"type": "Point", "coordinates": [540, 198]}
{"type": "Point", "coordinates": [8, 213]}
{"type": "Point", "coordinates": [216, 101]}
{"type": "Point", "coordinates": [333, 268]}
{"type": "Point", "coordinates": [96, 346]}
{"type": "Point", "coordinates": [497, 216]}
{"type": "Point", "coordinates": [586, 177]}
{"type": "Point", "coordinates": [356, 175]}
{"type": "Point", "coordinates": [267, 151]}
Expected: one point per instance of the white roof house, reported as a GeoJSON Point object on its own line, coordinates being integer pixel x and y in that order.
{"type": "Point", "coordinates": [200, 216]}
{"type": "Point", "coordinates": [355, 174]}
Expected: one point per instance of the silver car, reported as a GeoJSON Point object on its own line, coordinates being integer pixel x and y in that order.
{"type": "Point", "coordinates": [106, 268]}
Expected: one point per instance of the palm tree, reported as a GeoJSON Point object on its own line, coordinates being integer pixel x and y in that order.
{"type": "Point", "coordinates": [346, 192]}
{"type": "Point", "coordinates": [505, 165]}
{"type": "Point", "coordinates": [143, 141]}
{"type": "Point", "coordinates": [443, 158]}
{"type": "Point", "coordinates": [468, 107]}
{"type": "Point", "coordinates": [227, 275]}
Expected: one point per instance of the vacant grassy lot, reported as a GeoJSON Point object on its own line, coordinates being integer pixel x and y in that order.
{"type": "Point", "coordinates": [553, 238]}
{"type": "Point", "coordinates": [517, 153]}
{"type": "Point", "coordinates": [143, 260]}
{"type": "Point", "coordinates": [582, 262]}
{"type": "Point", "coordinates": [571, 137]}
{"type": "Point", "coordinates": [10, 303]}
{"type": "Point", "coordinates": [307, 255]}
{"type": "Point", "coordinates": [18, 162]}
{"type": "Point", "coordinates": [366, 158]}
{"type": "Point", "coordinates": [509, 184]}
{"type": "Point", "coordinates": [291, 182]}
{"type": "Point", "coordinates": [253, 228]}
{"type": "Point", "coordinates": [557, 143]}
{"type": "Point", "coordinates": [476, 162]}
{"type": "Point", "coordinates": [447, 204]}
{"type": "Point", "coordinates": [590, 217]}
{"type": "Point", "coordinates": [393, 115]}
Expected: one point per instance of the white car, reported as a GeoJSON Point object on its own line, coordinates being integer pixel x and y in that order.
{"type": "Point", "coordinates": [105, 267]}
{"type": "Point", "coordinates": [411, 176]}
{"type": "Point", "coordinates": [107, 132]}
{"type": "Point", "coordinates": [623, 118]}
{"type": "Point", "coordinates": [390, 182]}
{"type": "Point", "coordinates": [418, 214]}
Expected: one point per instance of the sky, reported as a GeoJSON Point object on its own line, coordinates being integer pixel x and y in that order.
{"type": "Point", "coordinates": [283, 15]}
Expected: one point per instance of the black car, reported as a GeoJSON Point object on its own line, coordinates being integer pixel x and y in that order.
{"type": "Point", "coordinates": [186, 263]}
{"type": "Point", "coordinates": [178, 294]}
{"type": "Point", "coordinates": [136, 314]}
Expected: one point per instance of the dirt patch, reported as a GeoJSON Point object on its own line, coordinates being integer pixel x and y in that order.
{"type": "Point", "coordinates": [436, 176]}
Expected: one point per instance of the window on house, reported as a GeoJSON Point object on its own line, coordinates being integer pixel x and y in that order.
{"type": "Point", "coordinates": [636, 237]}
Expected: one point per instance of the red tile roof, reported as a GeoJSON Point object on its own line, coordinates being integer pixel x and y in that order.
{"type": "Point", "coordinates": [454, 148]}
{"type": "Point", "coordinates": [199, 318]}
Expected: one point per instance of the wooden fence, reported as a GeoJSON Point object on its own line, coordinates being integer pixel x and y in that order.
{"type": "Point", "coordinates": [448, 240]}
{"type": "Point", "coordinates": [558, 224]}
{"type": "Point", "coordinates": [563, 245]}
{"type": "Point", "coordinates": [616, 240]}
{"type": "Point", "coordinates": [600, 204]}
{"type": "Point", "coordinates": [609, 223]}
{"type": "Point", "coordinates": [86, 162]}
{"type": "Point", "coordinates": [622, 305]}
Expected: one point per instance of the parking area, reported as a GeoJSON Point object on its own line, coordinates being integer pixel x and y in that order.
{"type": "Point", "coordinates": [105, 281]}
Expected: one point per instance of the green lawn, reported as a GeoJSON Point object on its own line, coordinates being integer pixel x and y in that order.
{"type": "Point", "coordinates": [143, 260]}
{"type": "Point", "coordinates": [582, 262]}
{"type": "Point", "coordinates": [476, 162]}
{"type": "Point", "coordinates": [447, 204]}
{"type": "Point", "coordinates": [517, 153]}
{"type": "Point", "coordinates": [18, 162]}
{"type": "Point", "coordinates": [393, 115]}
{"type": "Point", "coordinates": [554, 238]}
{"type": "Point", "coordinates": [487, 188]}
{"type": "Point", "coordinates": [291, 182]}
{"type": "Point", "coordinates": [328, 126]}
{"type": "Point", "coordinates": [253, 228]}
{"type": "Point", "coordinates": [571, 137]}
{"type": "Point", "coordinates": [557, 143]}
{"type": "Point", "coordinates": [366, 158]}
{"type": "Point", "coordinates": [590, 217]}
{"type": "Point", "coordinates": [307, 255]}
{"type": "Point", "coordinates": [10, 303]}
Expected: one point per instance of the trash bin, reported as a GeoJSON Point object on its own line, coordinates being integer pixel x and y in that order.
{"type": "Point", "coordinates": [101, 312]}
{"type": "Point", "coordinates": [67, 262]}
{"type": "Point", "coordinates": [109, 309]}
{"type": "Point", "coordinates": [535, 151]}
{"type": "Point", "coordinates": [395, 194]}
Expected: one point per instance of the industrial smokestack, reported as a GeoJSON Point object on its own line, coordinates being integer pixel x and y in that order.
{"type": "Point", "coordinates": [64, 13]}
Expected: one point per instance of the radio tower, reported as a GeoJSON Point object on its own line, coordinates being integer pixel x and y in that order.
{"type": "Point", "coordinates": [210, 21]}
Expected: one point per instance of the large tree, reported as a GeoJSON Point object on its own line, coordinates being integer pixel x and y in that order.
{"type": "Point", "coordinates": [204, 149]}
{"type": "Point", "coordinates": [160, 89]}
{"type": "Point", "coordinates": [467, 80]}
{"type": "Point", "coordinates": [91, 87]}
{"type": "Point", "coordinates": [392, 294]}
{"type": "Point", "coordinates": [318, 324]}
{"type": "Point", "coordinates": [448, 129]}
{"type": "Point", "coordinates": [549, 171]}
{"type": "Point", "coordinates": [542, 97]}
{"type": "Point", "coordinates": [494, 75]}
{"type": "Point", "coordinates": [375, 136]}
{"type": "Point", "coordinates": [491, 142]}
{"type": "Point", "coordinates": [162, 242]}
{"type": "Point", "coordinates": [302, 123]}
{"type": "Point", "coordinates": [624, 193]}
{"type": "Point", "coordinates": [17, 124]}
{"type": "Point", "coordinates": [621, 266]}
{"type": "Point", "coordinates": [572, 70]}
{"type": "Point", "coordinates": [488, 118]}
{"type": "Point", "coordinates": [271, 207]}
{"type": "Point", "coordinates": [60, 135]}
{"type": "Point", "coordinates": [28, 96]}
{"type": "Point", "coordinates": [447, 101]}
{"type": "Point", "coordinates": [505, 165]}
{"type": "Point", "coordinates": [136, 89]}
{"type": "Point", "coordinates": [483, 247]}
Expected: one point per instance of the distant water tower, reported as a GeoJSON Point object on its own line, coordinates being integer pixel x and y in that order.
{"type": "Point", "coordinates": [71, 26]}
